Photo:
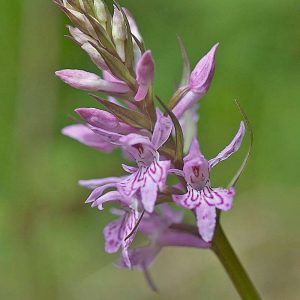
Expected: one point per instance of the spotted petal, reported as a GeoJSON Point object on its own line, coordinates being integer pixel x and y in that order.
{"type": "Point", "coordinates": [130, 184]}
{"type": "Point", "coordinates": [231, 148]}
{"type": "Point", "coordinates": [158, 171]}
{"type": "Point", "coordinates": [116, 232]}
{"type": "Point", "coordinates": [206, 221]}
{"type": "Point", "coordinates": [190, 200]}
{"type": "Point", "coordinates": [218, 197]}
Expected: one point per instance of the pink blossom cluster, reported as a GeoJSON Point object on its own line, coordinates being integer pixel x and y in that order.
{"type": "Point", "coordinates": [156, 143]}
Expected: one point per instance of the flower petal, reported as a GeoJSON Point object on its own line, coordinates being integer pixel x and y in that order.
{"type": "Point", "coordinates": [206, 221]}
{"type": "Point", "coordinates": [108, 197]}
{"type": "Point", "coordinates": [108, 136]}
{"type": "Point", "coordinates": [149, 194]}
{"type": "Point", "coordinates": [90, 82]}
{"type": "Point", "coordinates": [116, 233]}
{"type": "Point", "coordinates": [172, 216]}
{"type": "Point", "coordinates": [176, 172]}
{"type": "Point", "coordinates": [98, 192]}
{"type": "Point", "coordinates": [203, 73]}
{"type": "Point", "coordinates": [86, 136]}
{"type": "Point", "coordinates": [129, 169]}
{"type": "Point", "coordinates": [231, 148]}
{"type": "Point", "coordinates": [139, 147]}
{"type": "Point", "coordinates": [113, 236]}
{"type": "Point", "coordinates": [158, 171]}
{"type": "Point", "coordinates": [142, 257]}
{"type": "Point", "coordinates": [190, 200]}
{"type": "Point", "coordinates": [130, 184]}
{"type": "Point", "coordinates": [94, 183]}
{"type": "Point", "coordinates": [104, 120]}
{"type": "Point", "coordinates": [162, 130]}
{"type": "Point", "coordinates": [145, 75]}
{"type": "Point", "coordinates": [218, 197]}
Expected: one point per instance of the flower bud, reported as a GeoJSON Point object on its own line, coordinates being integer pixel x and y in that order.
{"type": "Point", "coordinates": [199, 82]}
{"type": "Point", "coordinates": [119, 32]}
{"type": "Point", "coordinates": [83, 21]}
{"type": "Point", "coordinates": [80, 37]}
{"type": "Point", "coordinates": [144, 75]}
{"type": "Point", "coordinates": [203, 73]}
{"type": "Point", "coordinates": [90, 82]}
{"type": "Point", "coordinates": [95, 56]}
{"type": "Point", "coordinates": [100, 12]}
{"type": "Point", "coordinates": [104, 120]}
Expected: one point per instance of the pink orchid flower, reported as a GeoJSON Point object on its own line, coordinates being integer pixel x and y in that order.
{"type": "Point", "coordinates": [201, 197]}
{"type": "Point", "coordinates": [150, 174]}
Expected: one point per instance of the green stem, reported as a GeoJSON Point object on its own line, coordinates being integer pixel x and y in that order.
{"type": "Point", "coordinates": [232, 265]}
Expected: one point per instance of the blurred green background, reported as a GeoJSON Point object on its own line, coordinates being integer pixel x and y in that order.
{"type": "Point", "coordinates": [51, 245]}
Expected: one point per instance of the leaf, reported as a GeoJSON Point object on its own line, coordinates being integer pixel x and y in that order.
{"type": "Point", "coordinates": [130, 117]}
{"type": "Point", "coordinates": [179, 140]}
{"type": "Point", "coordinates": [129, 55]}
{"type": "Point", "coordinates": [250, 149]}
{"type": "Point", "coordinates": [139, 43]}
{"type": "Point", "coordinates": [186, 72]}
{"type": "Point", "coordinates": [109, 22]}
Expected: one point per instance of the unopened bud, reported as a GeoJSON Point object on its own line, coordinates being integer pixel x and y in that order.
{"type": "Point", "coordinates": [199, 82]}
{"type": "Point", "coordinates": [100, 12]}
{"type": "Point", "coordinates": [144, 75]}
{"type": "Point", "coordinates": [203, 73]}
{"type": "Point", "coordinates": [104, 120]}
{"type": "Point", "coordinates": [90, 82]}
{"type": "Point", "coordinates": [95, 56]}
{"type": "Point", "coordinates": [80, 37]}
{"type": "Point", "coordinates": [83, 21]}
{"type": "Point", "coordinates": [119, 32]}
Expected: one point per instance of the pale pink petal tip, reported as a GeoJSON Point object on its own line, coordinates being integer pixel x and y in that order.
{"type": "Point", "coordinates": [144, 75]}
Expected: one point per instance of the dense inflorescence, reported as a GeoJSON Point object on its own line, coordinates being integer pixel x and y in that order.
{"type": "Point", "coordinates": [158, 143]}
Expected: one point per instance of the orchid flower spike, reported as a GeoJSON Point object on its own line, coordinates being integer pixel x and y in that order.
{"type": "Point", "coordinates": [201, 197]}
{"type": "Point", "coordinates": [199, 82]}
